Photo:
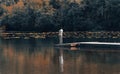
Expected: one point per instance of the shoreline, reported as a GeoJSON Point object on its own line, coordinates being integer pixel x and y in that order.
{"type": "Point", "coordinates": [84, 34]}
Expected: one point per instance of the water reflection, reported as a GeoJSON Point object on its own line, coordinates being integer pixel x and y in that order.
{"type": "Point", "coordinates": [61, 60]}
{"type": "Point", "coordinates": [40, 57]}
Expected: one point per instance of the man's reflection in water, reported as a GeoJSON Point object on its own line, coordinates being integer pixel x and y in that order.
{"type": "Point", "coordinates": [61, 60]}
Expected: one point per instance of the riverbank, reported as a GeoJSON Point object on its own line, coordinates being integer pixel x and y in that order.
{"type": "Point", "coordinates": [86, 34]}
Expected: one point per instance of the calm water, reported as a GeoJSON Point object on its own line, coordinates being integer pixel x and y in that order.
{"type": "Point", "coordinates": [39, 56]}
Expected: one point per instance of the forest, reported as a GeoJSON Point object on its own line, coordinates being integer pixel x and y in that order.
{"type": "Point", "coordinates": [50, 16]}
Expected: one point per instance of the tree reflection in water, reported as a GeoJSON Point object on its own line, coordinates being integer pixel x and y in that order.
{"type": "Point", "coordinates": [40, 57]}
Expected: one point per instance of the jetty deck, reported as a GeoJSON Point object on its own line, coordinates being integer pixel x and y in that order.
{"type": "Point", "coordinates": [75, 44]}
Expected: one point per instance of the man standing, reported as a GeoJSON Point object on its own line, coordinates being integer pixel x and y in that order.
{"type": "Point", "coordinates": [61, 36]}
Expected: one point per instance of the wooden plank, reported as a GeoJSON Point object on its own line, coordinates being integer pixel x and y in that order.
{"type": "Point", "coordinates": [88, 43]}
{"type": "Point", "coordinates": [100, 43]}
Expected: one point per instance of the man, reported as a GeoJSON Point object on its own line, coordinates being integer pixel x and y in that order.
{"type": "Point", "coordinates": [61, 36]}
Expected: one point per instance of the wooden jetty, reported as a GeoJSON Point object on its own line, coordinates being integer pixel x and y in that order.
{"type": "Point", "coordinates": [78, 44]}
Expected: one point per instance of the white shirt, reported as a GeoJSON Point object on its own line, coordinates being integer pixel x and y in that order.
{"type": "Point", "coordinates": [61, 32]}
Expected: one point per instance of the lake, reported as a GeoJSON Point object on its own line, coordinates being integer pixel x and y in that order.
{"type": "Point", "coordinates": [39, 56]}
